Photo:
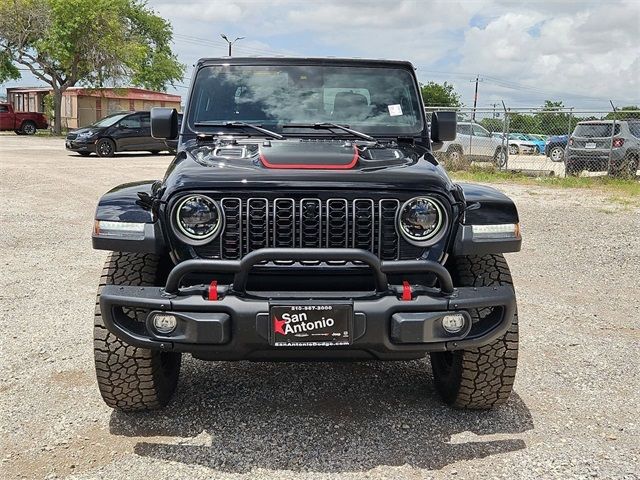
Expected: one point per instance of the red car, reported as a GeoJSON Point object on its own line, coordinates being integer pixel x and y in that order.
{"type": "Point", "coordinates": [23, 123]}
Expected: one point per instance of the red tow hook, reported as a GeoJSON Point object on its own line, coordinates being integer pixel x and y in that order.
{"type": "Point", "coordinates": [213, 290]}
{"type": "Point", "coordinates": [407, 294]}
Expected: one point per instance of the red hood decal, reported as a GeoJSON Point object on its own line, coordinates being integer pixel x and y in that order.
{"type": "Point", "coordinates": [316, 159]}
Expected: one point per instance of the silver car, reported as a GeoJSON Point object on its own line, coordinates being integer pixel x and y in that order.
{"type": "Point", "coordinates": [593, 146]}
{"type": "Point", "coordinates": [474, 143]}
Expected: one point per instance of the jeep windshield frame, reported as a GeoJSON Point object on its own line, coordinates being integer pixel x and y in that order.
{"type": "Point", "coordinates": [376, 98]}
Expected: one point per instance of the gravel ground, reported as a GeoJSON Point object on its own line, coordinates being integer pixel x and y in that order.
{"type": "Point", "coordinates": [574, 413]}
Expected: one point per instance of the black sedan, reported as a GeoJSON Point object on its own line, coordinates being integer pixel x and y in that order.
{"type": "Point", "coordinates": [120, 132]}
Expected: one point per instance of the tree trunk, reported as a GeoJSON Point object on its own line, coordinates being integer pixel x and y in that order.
{"type": "Point", "coordinates": [57, 110]}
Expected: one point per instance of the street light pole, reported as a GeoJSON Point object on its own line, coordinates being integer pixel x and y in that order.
{"type": "Point", "coordinates": [229, 41]}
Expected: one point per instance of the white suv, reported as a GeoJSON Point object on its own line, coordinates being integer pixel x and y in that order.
{"type": "Point", "coordinates": [473, 143]}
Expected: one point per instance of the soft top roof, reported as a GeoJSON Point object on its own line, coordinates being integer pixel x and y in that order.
{"type": "Point", "coordinates": [361, 62]}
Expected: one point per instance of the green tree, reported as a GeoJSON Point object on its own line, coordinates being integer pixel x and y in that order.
{"type": "Point", "coordinates": [437, 95]}
{"type": "Point", "coordinates": [8, 71]}
{"type": "Point", "coordinates": [492, 124]}
{"type": "Point", "coordinates": [554, 119]}
{"type": "Point", "coordinates": [91, 42]}
{"type": "Point", "coordinates": [630, 111]}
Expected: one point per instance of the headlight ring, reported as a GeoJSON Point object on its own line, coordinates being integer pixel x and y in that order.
{"type": "Point", "coordinates": [422, 221]}
{"type": "Point", "coordinates": [197, 219]}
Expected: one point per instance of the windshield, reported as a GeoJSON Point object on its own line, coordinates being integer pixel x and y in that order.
{"type": "Point", "coordinates": [595, 130]}
{"type": "Point", "coordinates": [110, 120]}
{"type": "Point", "coordinates": [372, 100]}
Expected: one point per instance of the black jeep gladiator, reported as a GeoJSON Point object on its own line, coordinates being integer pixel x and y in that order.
{"type": "Point", "coordinates": [305, 217]}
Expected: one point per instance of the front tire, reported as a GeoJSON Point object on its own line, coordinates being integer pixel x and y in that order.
{"type": "Point", "coordinates": [478, 378]}
{"type": "Point", "coordinates": [513, 150]}
{"type": "Point", "coordinates": [132, 378]}
{"type": "Point", "coordinates": [500, 157]}
{"type": "Point", "coordinates": [455, 159]}
{"type": "Point", "coordinates": [105, 147]}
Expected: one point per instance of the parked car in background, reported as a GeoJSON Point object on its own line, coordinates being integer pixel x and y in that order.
{"type": "Point", "coordinates": [519, 143]}
{"type": "Point", "coordinates": [537, 142]}
{"type": "Point", "coordinates": [473, 143]}
{"type": "Point", "coordinates": [597, 146]}
{"type": "Point", "coordinates": [172, 144]}
{"type": "Point", "coordinates": [23, 123]}
{"type": "Point", "coordinates": [554, 147]}
{"type": "Point", "coordinates": [119, 132]}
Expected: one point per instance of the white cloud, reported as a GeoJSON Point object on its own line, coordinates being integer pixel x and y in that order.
{"type": "Point", "coordinates": [589, 52]}
{"type": "Point", "coordinates": [583, 52]}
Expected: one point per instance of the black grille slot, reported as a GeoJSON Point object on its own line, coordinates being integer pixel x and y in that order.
{"type": "Point", "coordinates": [284, 223]}
{"type": "Point", "coordinates": [363, 231]}
{"type": "Point", "coordinates": [388, 235]}
{"type": "Point", "coordinates": [337, 223]}
{"type": "Point", "coordinates": [311, 223]}
{"type": "Point", "coordinates": [254, 223]}
{"type": "Point", "coordinates": [231, 237]}
{"type": "Point", "coordinates": [257, 224]}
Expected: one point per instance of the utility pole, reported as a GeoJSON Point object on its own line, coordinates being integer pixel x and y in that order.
{"type": "Point", "coordinates": [475, 99]}
{"type": "Point", "coordinates": [229, 41]}
{"type": "Point", "coordinates": [494, 105]}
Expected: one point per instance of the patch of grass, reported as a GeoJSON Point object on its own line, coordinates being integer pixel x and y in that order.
{"type": "Point", "coordinates": [49, 133]}
{"type": "Point", "coordinates": [627, 191]}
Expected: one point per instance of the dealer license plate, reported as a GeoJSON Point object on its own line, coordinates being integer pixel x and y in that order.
{"type": "Point", "coordinates": [316, 325]}
{"type": "Point", "coordinates": [590, 145]}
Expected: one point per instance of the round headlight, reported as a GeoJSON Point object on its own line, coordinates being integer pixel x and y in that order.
{"type": "Point", "coordinates": [198, 218]}
{"type": "Point", "coordinates": [421, 221]}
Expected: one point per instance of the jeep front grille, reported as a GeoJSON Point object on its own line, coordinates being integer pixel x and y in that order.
{"type": "Point", "coordinates": [258, 222]}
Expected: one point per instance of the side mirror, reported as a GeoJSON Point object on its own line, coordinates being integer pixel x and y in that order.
{"type": "Point", "coordinates": [164, 123]}
{"type": "Point", "coordinates": [443, 126]}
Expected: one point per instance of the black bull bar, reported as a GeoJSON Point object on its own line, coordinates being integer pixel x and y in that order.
{"type": "Point", "coordinates": [231, 323]}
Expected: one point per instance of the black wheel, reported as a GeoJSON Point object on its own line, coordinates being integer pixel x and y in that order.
{"type": "Point", "coordinates": [132, 378]}
{"type": "Point", "coordinates": [500, 157]}
{"type": "Point", "coordinates": [84, 154]}
{"type": "Point", "coordinates": [105, 147]}
{"type": "Point", "coordinates": [513, 149]}
{"type": "Point", "coordinates": [154, 152]}
{"type": "Point", "coordinates": [627, 169]}
{"type": "Point", "coordinates": [572, 169]}
{"type": "Point", "coordinates": [455, 159]}
{"type": "Point", "coordinates": [478, 378]}
{"type": "Point", "coordinates": [18, 132]}
{"type": "Point", "coordinates": [556, 154]}
{"type": "Point", "coordinates": [28, 128]}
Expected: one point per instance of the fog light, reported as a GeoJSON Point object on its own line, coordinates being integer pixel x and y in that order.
{"type": "Point", "coordinates": [164, 323]}
{"type": "Point", "coordinates": [453, 323]}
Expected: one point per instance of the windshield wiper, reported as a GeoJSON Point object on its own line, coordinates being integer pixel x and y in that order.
{"type": "Point", "coordinates": [257, 128]}
{"type": "Point", "coordinates": [329, 126]}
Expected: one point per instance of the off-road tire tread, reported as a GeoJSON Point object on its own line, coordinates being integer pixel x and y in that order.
{"type": "Point", "coordinates": [131, 378]}
{"type": "Point", "coordinates": [483, 376]}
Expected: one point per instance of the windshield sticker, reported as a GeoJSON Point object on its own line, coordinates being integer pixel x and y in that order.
{"type": "Point", "coordinates": [395, 110]}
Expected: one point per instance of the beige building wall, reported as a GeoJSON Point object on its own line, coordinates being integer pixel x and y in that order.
{"type": "Point", "coordinates": [86, 111]}
{"type": "Point", "coordinates": [69, 111]}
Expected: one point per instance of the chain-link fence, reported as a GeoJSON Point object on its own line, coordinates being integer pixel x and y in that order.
{"type": "Point", "coordinates": [549, 142]}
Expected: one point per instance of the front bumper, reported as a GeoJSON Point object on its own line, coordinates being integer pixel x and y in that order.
{"type": "Point", "coordinates": [387, 324]}
{"type": "Point", "coordinates": [80, 145]}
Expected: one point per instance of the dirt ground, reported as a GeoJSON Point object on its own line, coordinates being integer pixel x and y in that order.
{"type": "Point", "coordinates": [574, 413]}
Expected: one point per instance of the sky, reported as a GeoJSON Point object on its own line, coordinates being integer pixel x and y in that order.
{"type": "Point", "coordinates": [583, 53]}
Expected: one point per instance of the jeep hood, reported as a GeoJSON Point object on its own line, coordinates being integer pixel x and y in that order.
{"type": "Point", "coordinates": [303, 164]}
